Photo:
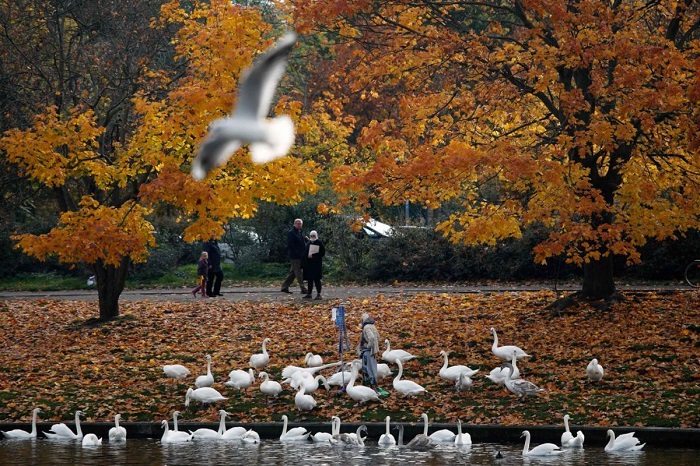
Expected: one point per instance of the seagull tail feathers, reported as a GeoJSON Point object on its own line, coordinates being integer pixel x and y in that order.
{"type": "Point", "coordinates": [280, 132]}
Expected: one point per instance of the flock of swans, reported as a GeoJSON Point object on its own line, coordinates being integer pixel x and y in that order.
{"type": "Point", "coordinates": [306, 380]}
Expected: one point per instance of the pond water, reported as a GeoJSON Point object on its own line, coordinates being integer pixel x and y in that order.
{"type": "Point", "coordinates": [151, 452]}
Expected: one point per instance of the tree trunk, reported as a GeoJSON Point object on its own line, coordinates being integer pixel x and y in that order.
{"type": "Point", "coordinates": [110, 282]}
{"type": "Point", "coordinates": [598, 281]}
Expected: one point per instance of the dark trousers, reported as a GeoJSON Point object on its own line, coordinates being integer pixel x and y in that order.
{"type": "Point", "coordinates": [317, 282]}
{"type": "Point", "coordinates": [214, 282]}
{"type": "Point", "coordinates": [295, 273]}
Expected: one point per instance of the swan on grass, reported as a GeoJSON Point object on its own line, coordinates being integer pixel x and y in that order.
{"type": "Point", "coordinates": [340, 378]}
{"type": "Point", "coordinates": [270, 388]}
{"type": "Point", "coordinates": [211, 434]}
{"type": "Point", "coordinates": [359, 393]}
{"type": "Point", "coordinates": [23, 434]}
{"type": "Point", "coordinates": [505, 352]}
{"type": "Point", "coordinates": [304, 402]}
{"type": "Point", "coordinates": [387, 439]}
{"type": "Point", "coordinates": [62, 431]}
{"type": "Point", "coordinates": [311, 384]}
{"type": "Point", "coordinates": [462, 438]}
{"type": "Point", "coordinates": [406, 387]}
{"type": "Point", "coordinates": [205, 380]}
{"type": "Point", "coordinates": [439, 436]}
{"type": "Point", "coordinates": [500, 373]}
{"type": "Point", "coordinates": [567, 438]}
{"type": "Point", "coordinates": [452, 373]}
{"type": "Point", "coordinates": [240, 379]}
{"type": "Point", "coordinates": [624, 442]}
{"type": "Point", "coordinates": [91, 440]}
{"type": "Point", "coordinates": [520, 387]}
{"type": "Point", "coordinates": [464, 382]}
{"type": "Point", "coordinates": [296, 434]}
{"type": "Point", "coordinates": [594, 371]}
{"type": "Point", "coordinates": [392, 356]}
{"type": "Point", "coordinates": [247, 124]}
{"type": "Point", "coordinates": [546, 449]}
{"type": "Point", "coordinates": [205, 395]}
{"type": "Point", "coordinates": [259, 360]}
{"type": "Point", "coordinates": [291, 371]}
{"type": "Point", "coordinates": [383, 371]}
{"type": "Point", "coordinates": [117, 433]}
{"type": "Point", "coordinates": [176, 371]}
{"type": "Point", "coordinates": [173, 436]}
{"type": "Point", "coordinates": [313, 360]}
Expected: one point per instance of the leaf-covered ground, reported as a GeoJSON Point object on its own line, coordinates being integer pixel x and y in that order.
{"type": "Point", "coordinates": [649, 346]}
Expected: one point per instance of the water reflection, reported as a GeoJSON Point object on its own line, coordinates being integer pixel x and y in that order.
{"type": "Point", "coordinates": [150, 451]}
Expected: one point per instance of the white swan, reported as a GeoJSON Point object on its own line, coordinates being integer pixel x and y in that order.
{"type": "Point", "coordinates": [313, 360]}
{"type": "Point", "coordinates": [463, 382]}
{"type": "Point", "coordinates": [359, 393]}
{"type": "Point", "coordinates": [311, 384]}
{"type": "Point", "coordinates": [500, 373]}
{"type": "Point", "coordinates": [546, 449]}
{"type": "Point", "coordinates": [304, 402]}
{"type": "Point", "coordinates": [204, 395]}
{"type": "Point", "coordinates": [62, 431]}
{"type": "Point", "coordinates": [340, 378]}
{"type": "Point", "coordinates": [296, 434]}
{"type": "Point", "coordinates": [176, 371]}
{"type": "Point", "coordinates": [290, 371]}
{"type": "Point", "coordinates": [248, 124]}
{"type": "Point", "coordinates": [462, 438]}
{"type": "Point", "coordinates": [594, 371]}
{"type": "Point", "coordinates": [172, 436]}
{"type": "Point", "coordinates": [259, 360]}
{"type": "Point", "coordinates": [205, 433]}
{"type": "Point", "coordinates": [439, 436]}
{"type": "Point", "coordinates": [325, 437]}
{"type": "Point", "coordinates": [117, 433]}
{"type": "Point", "coordinates": [91, 440]}
{"type": "Point", "coordinates": [205, 380]}
{"type": "Point", "coordinates": [567, 439]}
{"type": "Point", "coordinates": [452, 373]}
{"type": "Point", "coordinates": [240, 379]}
{"type": "Point", "coordinates": [406, 387]}
{"type": "Point", "coordinates": [624, 442]}
{"type": "Point", "coordinates": [392, 356]}
{"type": "Point", "coordinates": [505, 352]}
{"type": "Point", "coordinates": [383, 371]}
{"type": "Point", "coordinates": [175, 415]}
{"type": "Point", "coordinates": [387, 439]}
{"type": "Point", "coordinates": [250, 437]}
{"type": "Point", "coordinates": [23, 434]}
{"type": "Point", "coordinates": [234, 433]}
{"type": "Point", "coordinates": [269, 387]}
{"type": "Point", "coordinates": [520, 387]}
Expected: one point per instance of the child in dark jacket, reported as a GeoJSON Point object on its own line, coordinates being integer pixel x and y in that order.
{"type": "Point", "coordinates": [202, 273]}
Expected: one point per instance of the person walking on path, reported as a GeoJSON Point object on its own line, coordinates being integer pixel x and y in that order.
{"type": "Point", "coordinates": [313, 264]}
{"type": "Point", "coordinates": [368, 349]}
{"type": "Point", "coordinates": [296, 248]}
{"type": "Point", "coordinates": [202, 274]}
{"type": "Point", "coordinates": [216, 274]}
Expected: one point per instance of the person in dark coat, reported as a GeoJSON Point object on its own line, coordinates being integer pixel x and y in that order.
{"type": "Point", "coordinates": [296, 248]}
{"type": "Point", "coordinates": [216, 274]}
{"type": "Point", "coordinates": [313, 264]}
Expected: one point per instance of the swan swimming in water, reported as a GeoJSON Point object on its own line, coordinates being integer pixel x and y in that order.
{"type": "Point", "coordinates": [296, 434]}
{"type": "Point", "coordinates": [506, 352]}
{"type": "Point", "coordinates": [567, 439]}
{"type": "Point", "coordinates": [173, 436]}
{"type": "Point", "coordinates": [23, 434]}
{"type": "Point", "coordinates": [62, 431]}
{"type": "Point", "coordinates": [624, 442]}
{"type": "Point", "coordinates": [210, 434]}
{"type": "Point", "coordinates": [117, 433]}
{"type": "Point", "coordinates": [91, 440]}
{"type": "Point", "coordinates": [247, 123]}
{"type": "Point", "coordinates": [462, 438]}
{"type": "Point", "coordinates": [546, 449]}
{"type": "Point", "coordinates": [387, 439]}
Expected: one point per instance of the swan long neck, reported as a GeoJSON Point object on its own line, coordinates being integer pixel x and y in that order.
{"type": "Point", "coordinates": [353, 376]}
{"type": "Point", "coordinates": [264, 350]}
{"type": "Point", "coordinates": [495, 338]}
{"type": "Point", "coordinates": [445, 362]}
{"type": "Point", "coordinates": [78, 430]}
{"type": "Point", "coordinates": [611, 442]}
{"type": "Point", "coordinates": [209, 367]}
{"type": "Point", "coordinates": [284, 420]}
{"type": "Point", "coordinates": [425, 424]}
{"type": "Point", "coordinates": [34, 416]}
{"type": "Point", "coordinates": [388, 347]}
{"type": "Point", "coordinates": [388, 424]}
{"type": "Point", "coordinates": [398, 376]}
{"type": "Point", "coordinates": [175, 415]}
{"type": "Point", "coordinates": [459, 427]}
{"type": "Point", "coordinates": [335, 426]}
{"type": "Point", "coordinates": [166, 430]}
{"type": "Point", "coordinates": [400, 441]}
{"type": "Point", "coordinates": [566, 423]}
{"type": "Point", "coordinates": [359, 436]}
{"type": "Point", "coordinates": [222, 423]}
{"type": "Point", "coordinates": [526, 448]}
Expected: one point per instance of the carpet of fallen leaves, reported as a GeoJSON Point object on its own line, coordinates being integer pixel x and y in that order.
{"type": "Point", "coordinates": [649, 346]}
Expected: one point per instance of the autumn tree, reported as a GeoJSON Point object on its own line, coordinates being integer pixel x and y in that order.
{"type": "Point", "coordinates": [581, 116]}
{"type": "Point", "coordinates": [121, 93]}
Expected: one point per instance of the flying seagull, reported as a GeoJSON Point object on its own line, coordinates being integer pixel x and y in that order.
{"type": "Point", "coordinates": [247, 124]}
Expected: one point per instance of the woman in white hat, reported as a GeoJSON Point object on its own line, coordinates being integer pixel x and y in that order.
{"type": "Point", "coordinates": [313, 264]}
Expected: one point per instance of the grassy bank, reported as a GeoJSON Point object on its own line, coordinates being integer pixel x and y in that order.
{"type": "Point", "coordinates": [648, 346]}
